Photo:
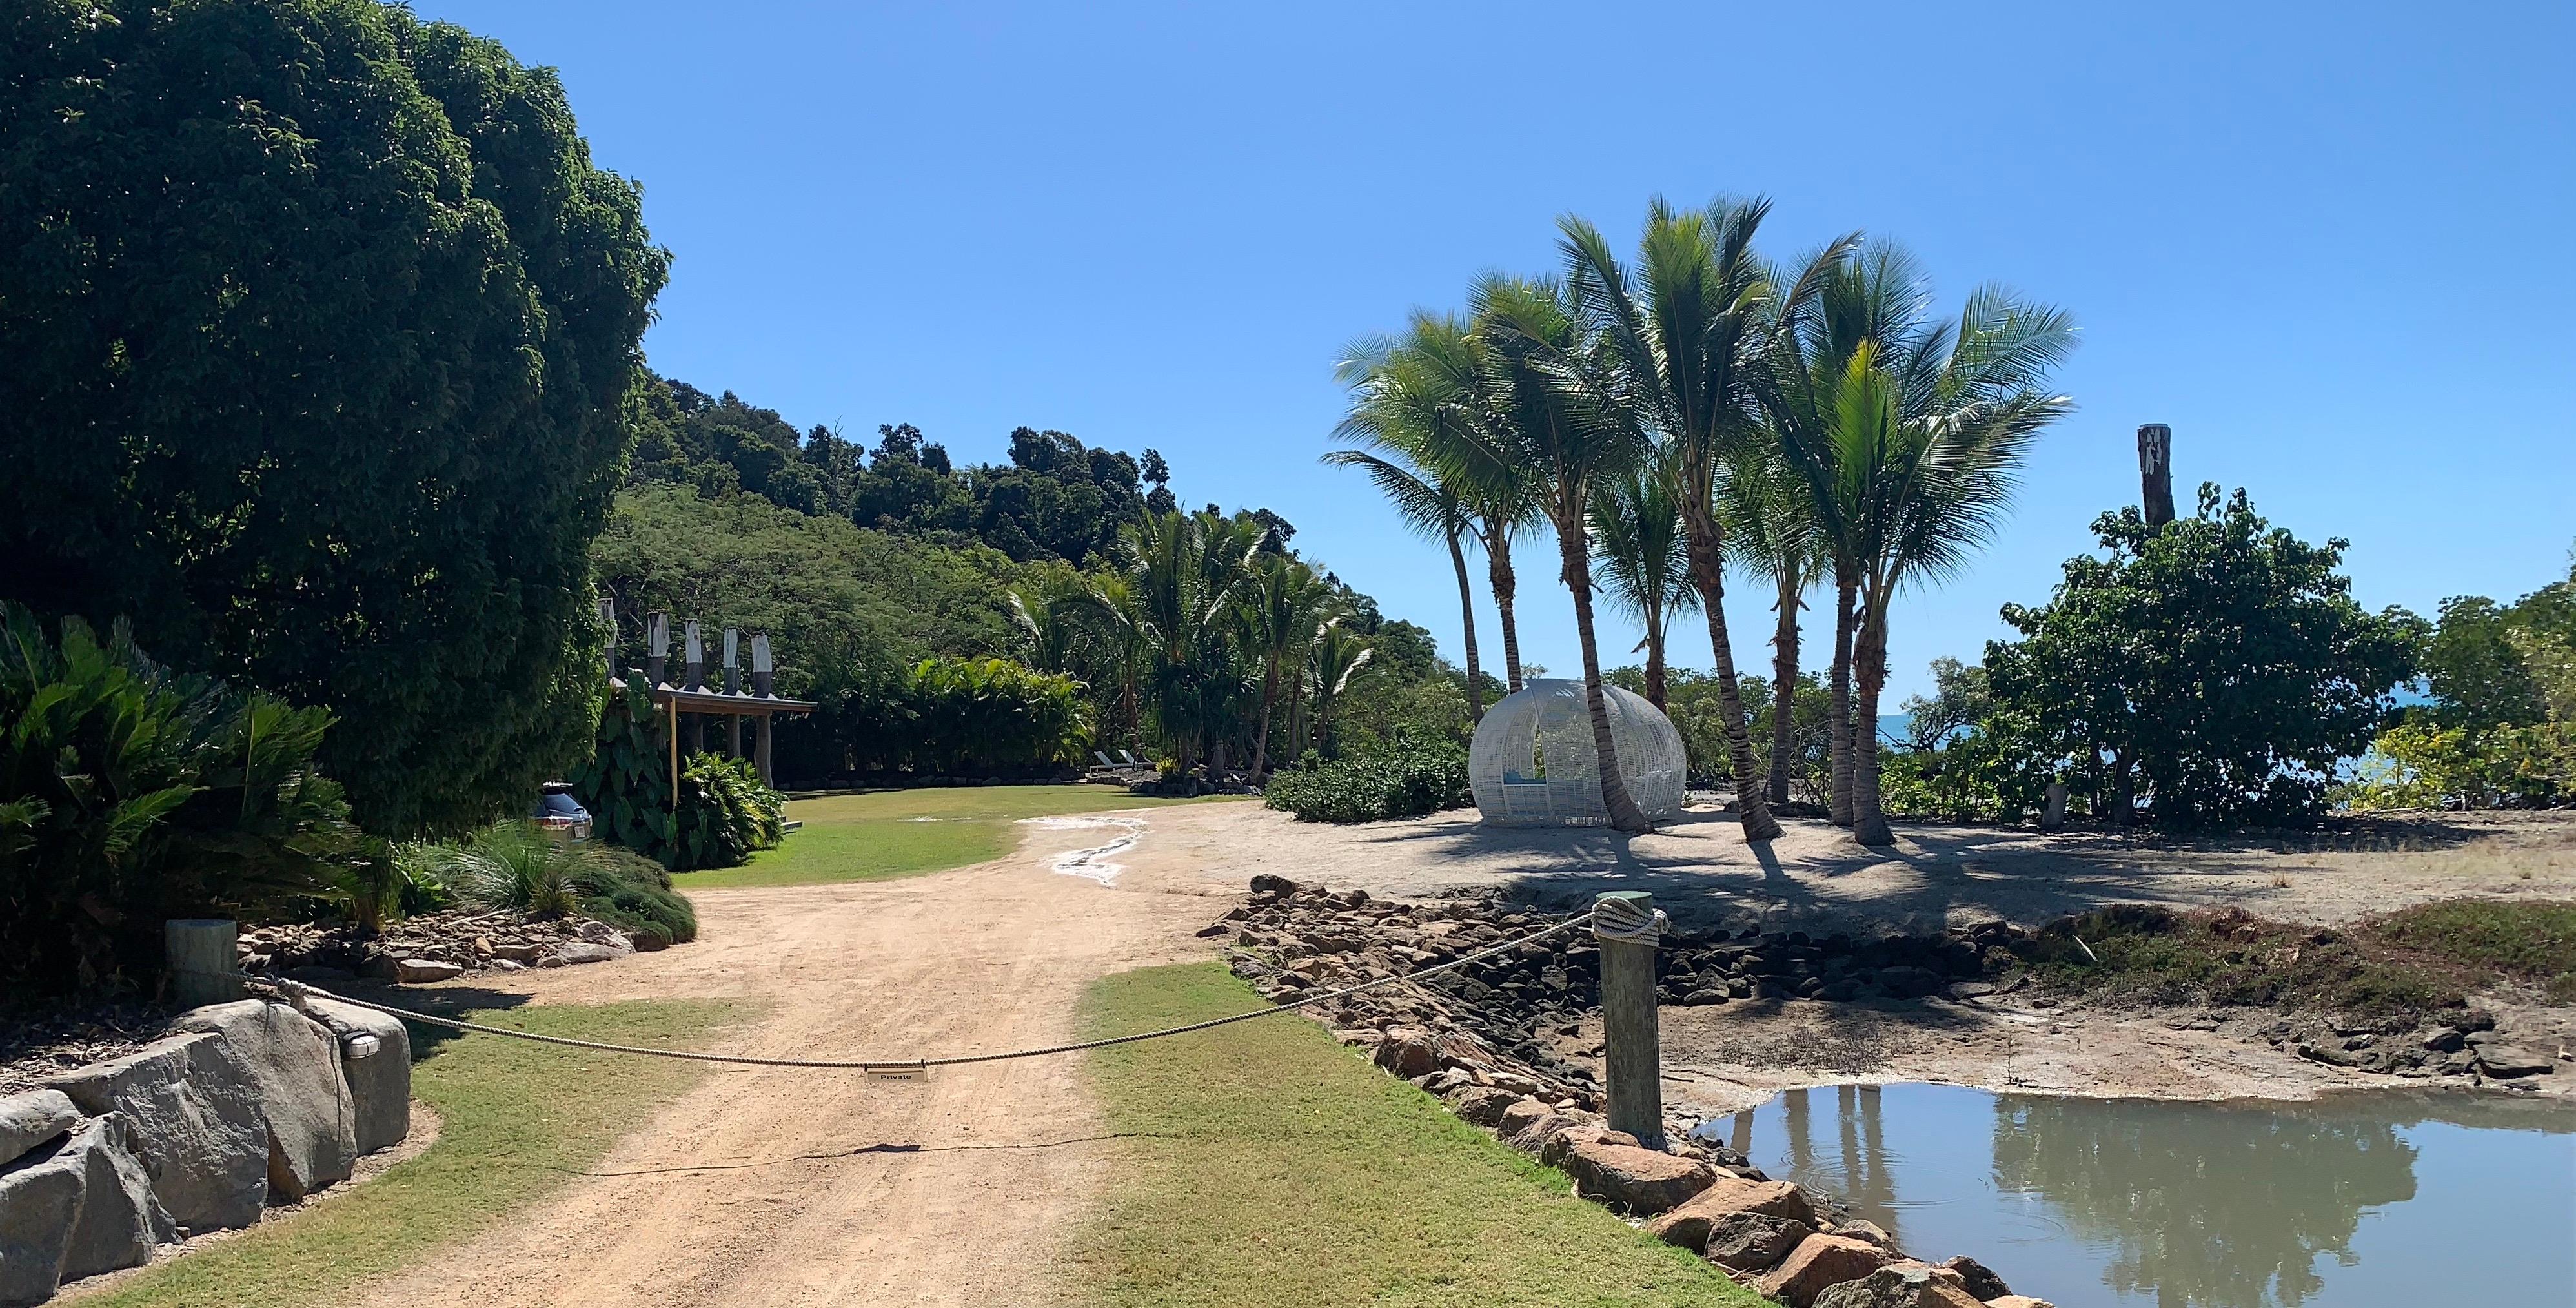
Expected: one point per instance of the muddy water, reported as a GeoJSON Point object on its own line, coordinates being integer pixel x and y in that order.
{"type": "Point", "coordinates": [2349, 1202]}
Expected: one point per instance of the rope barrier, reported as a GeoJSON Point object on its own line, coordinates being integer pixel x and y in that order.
{"type": "Point", "coordinates": [1622, 919]}
{"type": "Point", "coordinates": [294, 992]}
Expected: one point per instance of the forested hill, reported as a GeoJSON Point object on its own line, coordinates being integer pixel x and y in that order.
{"type": "Point", "coordinates": [1055, 498]}
{"type": "Point", "coordinates": [862, 560]}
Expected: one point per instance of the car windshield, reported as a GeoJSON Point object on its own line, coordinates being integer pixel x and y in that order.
{"type": "Point", "coordinates": [564, 806]}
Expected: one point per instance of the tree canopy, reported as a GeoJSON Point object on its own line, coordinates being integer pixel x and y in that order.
{"type": "Point", "coordinates": [321, 326]}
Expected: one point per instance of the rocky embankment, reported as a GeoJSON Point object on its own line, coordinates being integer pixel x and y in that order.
{"type": "Point", "coordinates": [237, 1107]}
{"type": "Point", "coordinates": [1488, 1039]}
{"type": "Point", "coordinates": [433, 947]}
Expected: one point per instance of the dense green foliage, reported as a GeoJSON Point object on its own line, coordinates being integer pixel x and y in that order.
{"type": "Point", "coordinates": [1697, 709]}
{"type": "Point", "coordinates": [722, 814]}
{"type": "Point", "coordinates": [2160, 955]}
{"type": "Point", "coordinates": [966, 717]}
{"type": "Point", "coordinates": [515, 865]}
{"type": "Point", "coordinates": [129, 796]}
{"type": "Point", "coordinates": [633, 893]}
{"type": "Point", "coordinates": [2215, 669]}
{"type": "Point", "coordinates": [2501, 730]}
{"type": "Point", "coordinates": [1406, 776]}
{"type": "Point", "coordinates": [2530, 940]}
{"type": "Point", "coordinates": [320, 325]}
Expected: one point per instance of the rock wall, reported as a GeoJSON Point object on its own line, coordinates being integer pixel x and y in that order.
{"type": "Point", "coordinates": [243, 1104]}
{"type": "Point", "coordinates": [1480, 1038]}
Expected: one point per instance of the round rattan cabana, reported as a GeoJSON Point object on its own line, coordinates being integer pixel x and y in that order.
{"type": "Point", "coordinates": [1534, 764]}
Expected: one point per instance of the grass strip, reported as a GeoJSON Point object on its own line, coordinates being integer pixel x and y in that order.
{"type": "Point", "coordinates": [518, 1119]}
{"type": "Point", "coordinates": [885, 834]}
{"type": "Point", "coordinates": [1271, 1166]}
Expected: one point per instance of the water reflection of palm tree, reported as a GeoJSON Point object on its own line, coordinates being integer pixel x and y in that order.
{"type": "Point", "coordinates": [2206, 1208]}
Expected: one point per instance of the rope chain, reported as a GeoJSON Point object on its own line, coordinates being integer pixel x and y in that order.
{"type": "Point", "coordinates": [295, 992]}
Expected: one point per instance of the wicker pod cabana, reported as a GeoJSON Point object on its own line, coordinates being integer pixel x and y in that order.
{"type": "Point", "coordinates": [1534, 764]}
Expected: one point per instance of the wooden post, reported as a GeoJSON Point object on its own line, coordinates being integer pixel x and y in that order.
{"type": "Point", "coordinates": [2155, 472]}
{"type": "Point", "coordinates": [204, 968]}
{"type": "Point", "coordinates": [761, 749]}
{"type": "Point", "coordinates": [675, 753]}
{"type": "Point", "coordinates": [1634, 1061]}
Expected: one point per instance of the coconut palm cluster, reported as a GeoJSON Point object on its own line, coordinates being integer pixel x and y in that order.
{"type": "Point", "coordinates": [1810, 424]}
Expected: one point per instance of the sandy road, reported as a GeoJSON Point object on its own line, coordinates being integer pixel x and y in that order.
{"type": "Point", "coordinates": [780, 1186]}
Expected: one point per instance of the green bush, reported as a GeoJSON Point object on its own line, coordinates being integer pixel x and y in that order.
{"type": "Point", "coordinates": [724, 812]}
{"type": "Point", "coordinates": [516, 865]}
{"type": "Point", "coordinates": [129, 795]}
{"type": "Point", "coordinates": [1408, 777]}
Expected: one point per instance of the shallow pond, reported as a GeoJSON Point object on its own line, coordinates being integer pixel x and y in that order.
{"type": "Point", "coordinates": [2352, 1201]}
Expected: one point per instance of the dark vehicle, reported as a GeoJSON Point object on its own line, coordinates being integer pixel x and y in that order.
{"type": "Point", "coordinates": [560, 815]}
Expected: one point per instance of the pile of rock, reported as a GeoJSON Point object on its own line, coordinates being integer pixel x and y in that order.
{"type": "Point", "coordinates": [241, 1105]}
{"type": "Point", "coordinates": [2464, 1044]}
{"type": "Point", "coordinates": [433, 947]}
{"type": "Point", "coordinates": [1479, 1038]}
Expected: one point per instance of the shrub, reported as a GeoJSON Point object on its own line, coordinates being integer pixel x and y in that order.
{"type": "Point", "coordinates": [724, 810]}
{"type": "Point", "coordinates": [514, 865]}
{"type": "Point", "coordinates": [1408, 777]}
{"type": "Point", "coordinates": [129, 795]}
{"type": "Point", "coordinates": [633, 893]}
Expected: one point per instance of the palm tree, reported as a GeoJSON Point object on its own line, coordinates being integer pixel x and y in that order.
{"type": "Point", "coordinates": [1687, 333]}
{"type": "Point", "coordinates": [1336, 657]}
{"type": "Point", "coordinates": [1277, 614]}
{"type": "Point", "coordinates": [1638, 550]}
{"type": "Point", "coordinates": [1404, 394]}
{"type": "Point", "coordinates": [1771, 530]}
{"type": "Point", "coordinates": [1914, 441]}
{"type": "Point", "coordinates": [1180, 573]}
{"type": "Point", "coordinates": [1556, 417]}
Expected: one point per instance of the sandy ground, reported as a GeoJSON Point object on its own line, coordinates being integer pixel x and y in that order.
{"type": "Point", "coordinates": [1701, 871]}
{"type": "Point", "coordinates": [765, 1187]}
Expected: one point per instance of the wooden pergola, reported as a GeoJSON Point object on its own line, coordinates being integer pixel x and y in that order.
{"type": "Point", "coordinates": [693, 696]}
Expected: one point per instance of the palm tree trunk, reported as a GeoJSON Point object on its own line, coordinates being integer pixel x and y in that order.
{"type": "Point", "coordinates": [1498, 571]}
{"type": "Point", "coordinates": [1846, 591]}
{"type": "Point", "coordinates": [1467, 614]}
{"type": "Point", "coordinates": [1655, 689]}
{"type": "Point", "coordinates": [1784, 684]}
{"type": "Point", "coordinates": [1708, 577]}
{"type": "Point", "coordinates": [1261, 739]}
{"type": "Point", "coordinates": [1622, 807]}
{"type": "Point", "coordinates": [1869, 670]}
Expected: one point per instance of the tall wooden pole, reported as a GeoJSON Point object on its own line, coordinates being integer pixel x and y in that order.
{"type": "Point", "coordinates": [2155, 472]}
{"type": "Point", "coordinates": [675, 753]}
{"type": "Point", "coordinates": [1634, 1060]}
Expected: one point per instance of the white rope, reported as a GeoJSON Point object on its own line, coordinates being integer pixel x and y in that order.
{"type": "Point", "coordinates": [296, 992]}
{"type": "Point", "coordinates": [1623, 920]}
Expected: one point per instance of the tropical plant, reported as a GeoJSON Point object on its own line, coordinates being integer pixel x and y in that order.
{"type": "Point", "coordinates": [1279, 606]}
{"type": "Point", "coordinates": [1407, 396]}
{"type": "Point", "coordinates": [1335, 659]}
{"type": "Point", "coordinates": [1909, 432]}
{"type": "Point", "coordinates": [1406, 777]}
{"type": "Point", "coordinates": [1772, 532]}
{"type": "Point", "coordinates": [1639, 552]}
{"type": "Point", "coordinates": [508, 865]}
{"type": "Point", "coordinates": [1686, 331]}
{"type": "Point", "coordinates": [718, 813]}
{"type": "Point", "coordinates": [129, 795]}
{"type": "Point", "coordinates": [345, 431]}
{"type": "Point", "coordinates": [1558, 417]}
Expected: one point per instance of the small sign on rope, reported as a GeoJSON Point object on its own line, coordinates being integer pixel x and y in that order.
{"type": "Point", "coordinates": [898, 1072]}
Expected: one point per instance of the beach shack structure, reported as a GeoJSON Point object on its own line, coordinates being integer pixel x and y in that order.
{"type": "Point", "coordinates": [693, 699]}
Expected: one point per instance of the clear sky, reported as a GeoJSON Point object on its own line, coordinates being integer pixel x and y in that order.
{"type": "Point", "coordinates": [2329, 244]}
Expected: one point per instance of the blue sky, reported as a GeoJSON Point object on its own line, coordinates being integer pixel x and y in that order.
{"type": "Point", "coordinates": [2328, 244]}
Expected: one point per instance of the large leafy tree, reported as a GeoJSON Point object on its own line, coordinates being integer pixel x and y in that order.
{"type": "Point", "coordinates": [320, 321]}
{"type": "Point", "coordinates": [2216, 668]}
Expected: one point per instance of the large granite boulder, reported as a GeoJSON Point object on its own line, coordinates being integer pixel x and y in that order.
{"type": "Point", "coordinates": [1898, 1285]}
{"type": "Point", "coordinates": [1638, 1180]}
{"type": "Point", "coordinates": [1751, 1242]}
{"type": "Point", "coordinates": [1820, 1262]}
{"type": "Point", "coordinates": [310, 1114]}
{"type": "Point", "coordinates": [39, 1203]}
{"type": "Point", "coordinates": [379, 1076]}
{"type": "Point", "coordinates": [195, 1113]}
{"type": "Point", "coordinates": [33, 1118]}
{"type": "Point", "coordinates": [120, 1221]}
{"type": "Point", "coordinates": [1689, 1224]}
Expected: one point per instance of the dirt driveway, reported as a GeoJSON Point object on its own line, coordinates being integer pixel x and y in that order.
{"type": "Point", "coordinates": [764, 1187]}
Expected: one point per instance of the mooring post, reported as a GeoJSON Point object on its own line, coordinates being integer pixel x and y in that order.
{"type": "Point", "coordinates": [203, 966]}
{"type": "Point", "coordinates": [1625, 924]}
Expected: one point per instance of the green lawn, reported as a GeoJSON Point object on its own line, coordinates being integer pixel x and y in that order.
{"type": "Point", "coordinates": [1272, 1166]}
{"type": "Point", "coordinates": [901, 833]}
{"type": "Point", "coordinates": [519, 1119]}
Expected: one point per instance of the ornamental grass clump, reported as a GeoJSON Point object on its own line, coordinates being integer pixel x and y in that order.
{"type": "Point", "coordinates": [515, 866]}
